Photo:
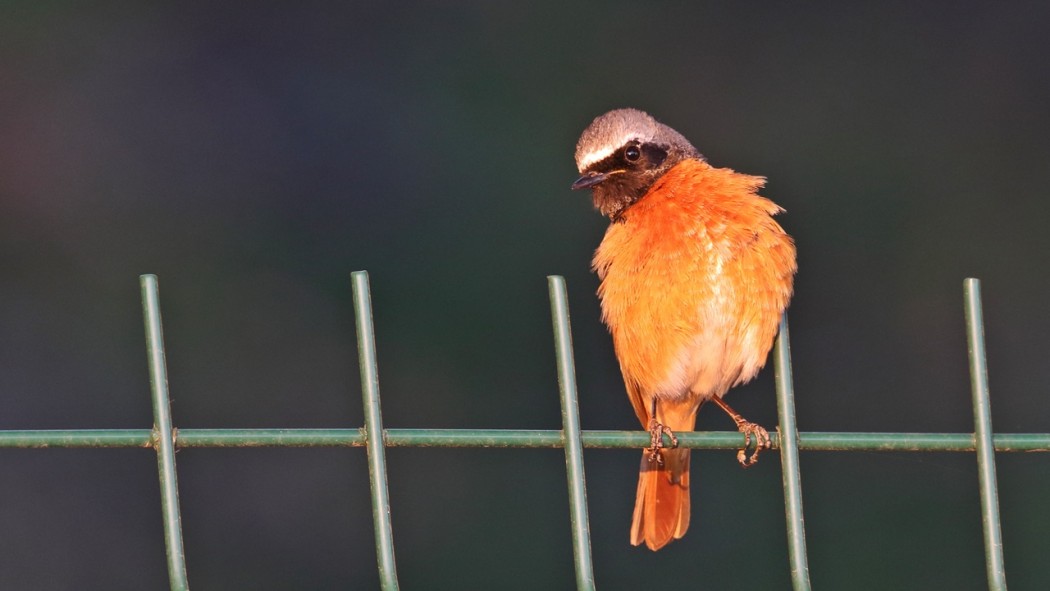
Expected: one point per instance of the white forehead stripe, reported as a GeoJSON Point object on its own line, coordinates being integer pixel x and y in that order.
{"type": "Point", "coordinates": [610, 132]}
{"type": "Point", "coordinates": [599, 153]}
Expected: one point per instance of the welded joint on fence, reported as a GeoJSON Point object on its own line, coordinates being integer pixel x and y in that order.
{"type": "Point", "coordinates": [163, 435]}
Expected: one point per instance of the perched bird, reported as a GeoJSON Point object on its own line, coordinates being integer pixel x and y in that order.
{"type": "Point", "coordinates": [695, 275]}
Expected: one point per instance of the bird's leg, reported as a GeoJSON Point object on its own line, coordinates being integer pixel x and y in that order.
{"type": "Point", "coordinates": [748, 428]}
{"type": "Point", "coordinates": [656, 437]}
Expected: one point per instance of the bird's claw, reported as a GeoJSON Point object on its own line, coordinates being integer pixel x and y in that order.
{"type": "Point", "coordinates": [657, 430]}
{"type": "Point", "coordinates": [762, 441]}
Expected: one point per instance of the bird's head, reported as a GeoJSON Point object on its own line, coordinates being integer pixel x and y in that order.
{"type": "Point", "coordinates": [622, 153]}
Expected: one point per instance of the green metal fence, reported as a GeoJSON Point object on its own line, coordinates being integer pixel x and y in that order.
{"type": "Point", "coordinates": [165, 439]}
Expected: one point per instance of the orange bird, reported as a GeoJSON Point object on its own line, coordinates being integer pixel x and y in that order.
{"type": "Point", "coordinates": [695, 275]}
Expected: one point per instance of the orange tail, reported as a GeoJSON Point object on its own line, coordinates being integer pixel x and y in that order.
{"type": "Point", "coordinates": [661, 509]}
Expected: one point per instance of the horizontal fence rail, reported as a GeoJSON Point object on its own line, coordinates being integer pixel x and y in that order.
{"type": "Point", "coordinates": [164, 439]}
{"type": "Point", "coordinates": [518, 438]}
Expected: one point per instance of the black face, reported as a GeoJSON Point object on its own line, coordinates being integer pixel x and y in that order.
{"type": "Point", "coordinates": [626, 175]}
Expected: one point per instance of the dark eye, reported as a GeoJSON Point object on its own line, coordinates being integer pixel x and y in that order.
{"type": "Point", "coordinates": [632, 153]}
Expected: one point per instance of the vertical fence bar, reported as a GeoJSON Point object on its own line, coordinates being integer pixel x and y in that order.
{"type": "Point", "coordinates": [366, 352]}
{"type": "Point", "coordinates": [163, 438]}
{"type": "Point", "coordinates": [982, 417]}
{"type": "Point", "coordinates": [796, 530]}
{"type": "Point", "coordinates": [570, 416]}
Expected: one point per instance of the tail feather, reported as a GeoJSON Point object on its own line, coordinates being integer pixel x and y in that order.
{"type": "Point", "coordinates": [661, 508]}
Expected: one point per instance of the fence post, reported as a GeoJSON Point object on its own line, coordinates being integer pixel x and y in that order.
{"type": "Point", "coordinates": [570, 416]}
{"type": "Point", "coordinates": [366, 352]}
{"type": "Point", "coordinates": [788, 439]}
{"type": "Point", "coordinates": [163, 436]}
{"type": "Point", "coordinates": [982, 418]}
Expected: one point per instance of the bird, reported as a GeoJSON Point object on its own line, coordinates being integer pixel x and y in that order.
{"type": "Point", "coordinates": [695, 275]}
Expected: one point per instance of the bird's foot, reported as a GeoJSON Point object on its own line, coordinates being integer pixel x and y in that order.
{"type": "Point", "coordinates": [762, 441]}
{"type": "Point", "coordinates": [657, 430]}
{"type": "Point", "coordinates": [749, 430]}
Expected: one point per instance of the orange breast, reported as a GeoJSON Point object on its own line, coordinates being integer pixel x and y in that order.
{"type": "Point", "coordinates": [694, 278]}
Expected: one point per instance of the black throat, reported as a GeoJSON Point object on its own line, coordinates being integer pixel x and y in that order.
{"type": "Point", "coordinates": [630, 177]}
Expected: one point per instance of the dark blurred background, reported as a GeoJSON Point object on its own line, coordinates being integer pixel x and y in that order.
{"type": "Point", "coordinates": [252, 157]}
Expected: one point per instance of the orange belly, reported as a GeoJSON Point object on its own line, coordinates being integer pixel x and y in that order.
{"type": "Point", "coordinates": [694, 279]}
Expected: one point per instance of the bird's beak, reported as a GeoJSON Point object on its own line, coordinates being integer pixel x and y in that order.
{"type": "Point", "coordinates": [593, 178]}
{"type": "Point", "coordinates": [589, 180]}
